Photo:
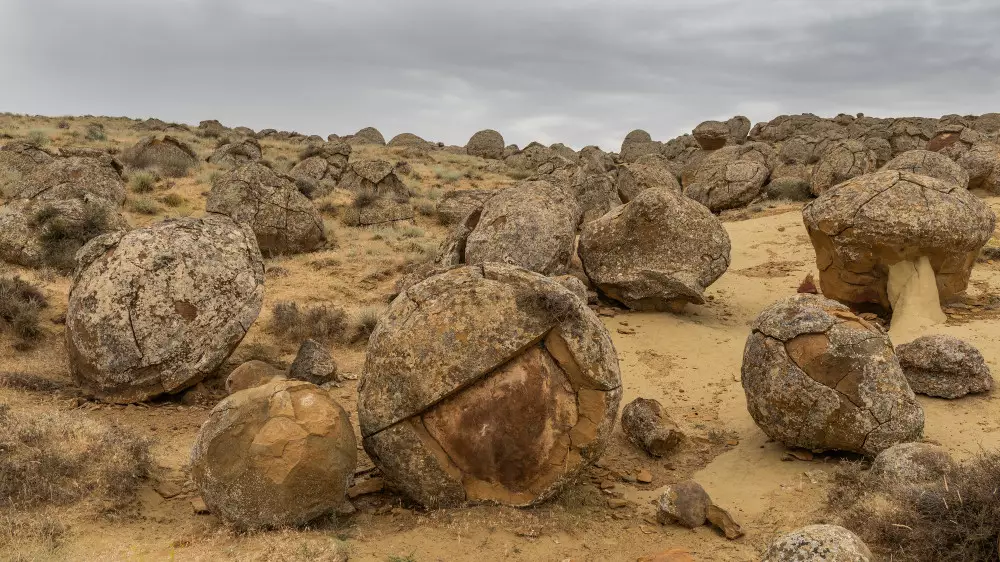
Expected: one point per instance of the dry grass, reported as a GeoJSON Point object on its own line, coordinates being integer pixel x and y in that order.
{"type": "Point", "coordinates": [142, 182]}
{"type": "Point", "coordinates": [21, 304]}
{"type": "Point", "coordinates": [143, 206]}
{"type": "Point", "coordinates": [324, 323]}
{"type": "Point", "coordinates": [60, 238]}
{"type": "Point", "coordinates": [364, 198]}
{"type": "Point", "coordinates": [955, 520]}
{"type": "Point", "coordinates": [30, 382]}
{"type": "Point", "coordinates": [37, 138]}
{"type": "Point", "coordinates": [365, 321]}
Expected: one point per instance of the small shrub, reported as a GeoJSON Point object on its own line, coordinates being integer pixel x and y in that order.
{"type": "Point", "coordinates": [364, 198]}
{"type": "Point", "coordinates": [175, 166]}
{"type": "Point", "coordinates": [30, 382]}
{"type": "Point", "coordinates": [95, 132]}
{"type": "Point", "coordinates": [61, 238]}
{"type": "Point", "coordinates": [58, 458]}
{"type": "Point", "coordinates": [37, 138]}
{"type": "Point", "coordinates": [365, 321]}
{"type": "Point", "coordinates": [143, 206]}
{"type": "Point", "coordinates": [20, 305]}
{"type": "Point", "coordinates": [172, 200]}
{"type": "Point", "coordinates": [142, 182]}
{"type": "Point", "coordinates": [409, 231]}
{"type": "Point", "coordinates": [63, 124]}
{"type": "Point", "coordinates": [957, 519]}
{"type": "Point", "coordinates": [328, 208]}
{"type": "Point", "coordinates": [306, 187]}
{"type": "Point", "coordinates": [447, 176]}
{"type": "Point", "coordinates": [310, 151]}
{"type": "Point", "coordinates": [425, 207]}
{"type": "Point", "coordinates": [320, 322]}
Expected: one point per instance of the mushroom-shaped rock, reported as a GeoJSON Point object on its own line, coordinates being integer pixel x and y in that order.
{"type": "Point", "coordinates": [840, 162]}
{"type": "Point", "coordinates": [818, 543]}
{"type": "Point", "coordinates": [818, 377]}
{"type": "Point", "coordinates": [378, 176]}
{"type": "Point", "coordinates": [276, 455]}
{"type": "Point", "coordinates": [157, 309]}
{"type": "Point", "coordinates": [711, 135]}
{"type": "Point", "coordinates": [898, 240]}
{"type": "Point", "coordinates": [912, 464]}
{"type": "Point", "coordinates": [732, 176]}
{"type": "Point", "coordinates": [933, 164]}
{"type": "Point", "coordinates": [237, 153]}
{"type": "Point", "coordinates": [657, 252]}
{"type": "Point", "coordinates": [166, 153]}
{"type": "Point", "coordinates": [284, 220]}
{"type": "Point", "coordinates": [486, 144]}
{"type": "Point", "coordinates": [649, 171]}
{"type": "Point", "coordinates": [944, 366]}
{"type": "Point", "coordinates": [531, 225]}
{"type": "Point", "coordinates": [487, 384]}
{"type": "Point", "coordinates": [322, 164]}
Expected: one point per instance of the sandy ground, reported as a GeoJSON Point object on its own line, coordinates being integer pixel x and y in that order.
{"type": "Point", "coordinates": [690, 362]}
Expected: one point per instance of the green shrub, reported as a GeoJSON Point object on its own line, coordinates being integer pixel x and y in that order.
{"type": "Point", "coordinates": [37, 138]}
{"type": "Point", "coordinates": [95, 132]}
{"type": "Point", "coordinates": [142, 182]}
{"type": "Point", "coordinates": [143, 206]}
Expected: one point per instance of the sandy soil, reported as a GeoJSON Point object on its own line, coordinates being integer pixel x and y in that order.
{"type": "Point", "coordinates": [690, 362]}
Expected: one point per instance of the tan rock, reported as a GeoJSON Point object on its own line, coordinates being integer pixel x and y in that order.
{"type": "Point", "coordinates": [927, 163]}
{"type": "Point", "coordinates": [251, 374]}
{"type": "Point", "coordinates": [647, 425]}
{"type": "Point", "coordinates": [818, 543]}
{"type": "Point", "coordinates": [840, 162]}
{"type": "Point", "coordinates": [685, 504]}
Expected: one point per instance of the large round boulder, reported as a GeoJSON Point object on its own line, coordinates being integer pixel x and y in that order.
{"type": "Point", "coordinates": [912, 464]}
{"type": "Point", "coordinates": [374, 176]}
{"type": "Point", "coordinates": [486, 144]}
{"type": "Point", "coordinates": [74, 178]}
{"type": "Point", "coordinates": [932, 164]}
{"type": "Point", "coordinates": [648, 171]}
{"type": "Point", "coordinates": [818, 543]}
{"type": "Point", "coordinates": [22, 157]}
{"type": "Point", "coordinates": [155, 310]}
{"type": "Point", "coordinates": [596, 194]}
{"type": "Point", "coordinates": [876, 221]}
{"type": "Point", "coordinates": [322, 165]}
{"type": "Point", "coordinates": [658, 252]}
{"type": "Point", "coordinates": [457, 204]}
{"type": "Point", "coordinates": [840, 162]}
{"type": "Point", "coordinates": [237, 153]}
{"type": "Point", "coordinates": [711, 135]}
{"type": "Point", "coordinates": [280, 454]}
{"type": "Point", "coordinates": [170, 155]}
{"type": "Point", "coordinates": [532, 225]}
{"type": "Point", "coordinates": [982, 161]}
{"type": "Point", "coordinates": [732, 177]}
{"type": "Point", "coordinates": [944, 366]}
{"type": "Point", "coordinates": [818, 377]}
{"type": "Point", "coordinates": [283, 219]}
{"type": "Point", "coordinates": [638, 143]}
{"type": "Point", "coordinates": [368, 135]}
{"type": "Point", "coordinates": [487, 384]}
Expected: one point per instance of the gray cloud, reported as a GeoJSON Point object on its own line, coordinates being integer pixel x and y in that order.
{"type": "Point", "coordinates": [579, 72]}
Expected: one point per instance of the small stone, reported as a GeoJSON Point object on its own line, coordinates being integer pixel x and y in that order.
{"type": "Point", "coordinates": [685, 504]}
{"type": "Point", "coordinates": [617, 503]}
{"type": "Point", "coordinates": [167, 488]}
{"type": "Point", "coordinates": [721, 519]}
{"type": "Point", "coordinates": [314, 364]}
{"type": "Point", "coordinates": [607, 485]}
{"type": "Point", "coordinates": [647, 425]}
{"type": "Point", "coordinates": [199, 506]}
{"type": "Point", "coordinates": [370, 486]}
{"type": "Point", "coordinates": [644, 476]}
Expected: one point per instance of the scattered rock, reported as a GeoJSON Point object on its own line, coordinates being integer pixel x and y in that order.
{"type": "Point", "coordinates": [685, 504]}
{"type": "Point", "coordinates": [648, 426]}
{"type": "Point", "coordinates": [369, 486]}
{"type": "Point", "coordinates": [912, 464]}
{"type": "Point", "coordinates": [711, 135]}
{"type": "Point", "coordinates": [237, 153]}
{"type": "Point", "coordinates": [314, 364]}
{"type": "Point", "coordinates": [818, 543]}
{"type": "Point", "coordinates": [944, 366]}
{"type": "Point", "coordinates": [722, 520]}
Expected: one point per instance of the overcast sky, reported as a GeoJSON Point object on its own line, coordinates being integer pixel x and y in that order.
{"type": "Point", "coordinates": [574, 71]}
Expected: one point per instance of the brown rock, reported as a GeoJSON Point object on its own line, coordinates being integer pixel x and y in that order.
{"type": "Point", "coordinates": [237, 153]}
{"type": "Point", "coordinates": [23, 157]}
{"type": "Point", "coordinates": [275, 455]}
{"type": "Point", "coordinates": [912, 464]}
{"type": "Point", "coordinates": [368, 135]}
{"type": "Point", "coordinates": [656, 253]}
{"type": "Point", "coordinates": [314, 364]}
{"type": "Point", "coordinates": [982, 161]}
{"type": "Point", "coordinates": [932, 164]}
{"type": "Point", "coordinates": [486, 144]}
{"type": "Point", "coordinates": [820, 378]}
{"type": "Point", "coordinates": [170, 302]}
{"type": "Point", "coordinates": [840, 162]}
{"type": "Point", "coordinates": [711, 135]}
{"type": "Point", "coordinates": [251, 374]}
{"type": "Point", "coordinates": [369, 486]}
{"type": "Point", "coordinates": [685, 504]}
{"type": "Point", "coordinates": [732, 177]}
{"type": "Point", "coordinates": [454, 206]}
{"type": "Point", "coordinates": [648, 426]}
{"type": "Point", "coordinates": [649, 171]}
{"type": "Point", "coordinates": [167, 153]}
{"type": "Point", "coordinates": [377, 176]}
{"type": "Point", "coordinates": [944, 366]}
{"type": "Point", "coordinates": [539, 383]}
{"type": "Point", "coordinates": [720, 519]}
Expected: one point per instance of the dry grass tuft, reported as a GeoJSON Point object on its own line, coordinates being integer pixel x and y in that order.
{"type": "Point", "coordinates": [61, 239]}
{"type": "Point", "coordinates": [324, 323]}
{"type": "Point", "coordinates": [37, 138]}
{"type": "Point", "coordinates": [365, 321]}
{"type": "Point", "coordinates": [30, 382]}
{"type": "Point", "coordinates": [58, 458]}
{"type": "Point", "coordinates": [364, 198]}
{"type": "Point", "coordinates": [143, 206]}
{"type": "Point", "coordinates": [142, 182]}
{"type": "Point", "coordinates": [20, 305]}
{"type": "Point", "coordinates": [955, 520]}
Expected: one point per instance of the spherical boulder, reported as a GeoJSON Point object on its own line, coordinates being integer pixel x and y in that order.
{"type": "Point", "coordinates": [375, 176]}
{"type": "Point", "coordinates": [840, 162]}
{"type": "Point", "coordinates": [648, 171]}
{"type": "Point", "coordinates": [711, 135]}
{"type": "Point", "coordinates": [818, 377]}
{"type": "Point", "coordinates": [253, 373]}
{"type": "Point", "coordinates": [171, 155]}
{"type": "Point", "coordinates": [638, 143]}
{"type": "Point", "coordinates": [931, 164]}
{"type": "Point", "coordinates": [912, 464]}
{"type": "Point", "coordinates": [818, 543]}
{"type": "Point", "coordinates": [658, 252]}
{"type": "Point", "coordinates": [155, 310]}
{"type": "Point", "coordinates": [276, 455]}
{"type": "Point", "coordinates": [732, 177]}
{"type": "Point", "coordinates": [368, 135]}
{"type": "Point", "coordinates": [237, 153]}
{"type": "Point", "coordinates": [982, 161]}
{"type": "Point", "coordinates": [283, 219]}
{"type": "Point", "coordinates": [486, 144]}
{"type": "Point", "coordinates": [455, 205]}
{"type": "Point", "coordinates": [944, 366]}
{"type": "Point", "coordinates": [869, 228]}
{"type": "Point", "coordinates": [487, 383]}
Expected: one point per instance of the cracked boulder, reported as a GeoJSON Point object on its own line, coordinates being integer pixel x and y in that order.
{"type": "Point", "coordinates": [378, 176]}
{"type": "Point", "coordinates": [154, 152]}
{"type": "Point", "coordinates": [874, 222]}
{"type": "Point", "coordinates": [818, 377]}
{"type": "Point", "coordinates": [532, 225]}
{"type": "Point", "coordinates": [322, 165]}
{"type": "Point", "coordinates": [487, 384]}
{"type": "Point", "coordinates": [840, 162]}
{"type": "Point", "coordinates": [237, 153]}
{"type": "Point", "coordinates": [638, 143]}
{"type": "Point", "coordinates": [931, 164]}
{"type": "Point", "coordinates": [596, 193]}
{"type": "Point", "coordinates": [818, 543]}
{"type": "Point", "coordinates": [711, 135]}
{"type": "Point", "coordinates": [283, 219]}
{"type": "Point", "coordinates": [912, 464]}
{"type": "Point", "coordinates": [276, 455]}
{"type": "Point", "coordinates": [22, 157]}
{"type": "Point", "coordinates": [952, 141]}
{"type": "Point", "coordinates": [486, 144]}
{"type": "Point", "coordinates": [732, 177]}
{"type": "Point", "coordinates": [657, 252]}
{"type": "Point", "coordinates": [457, 204]}
{"type": "Point", "coordinates": [944, 366]}
{"type": "Point", "coordinates": [156, 310]}
{"type": "Point", "coordinates": [648, 171]}
{"type": "Point", "coordinates": [982, 161]}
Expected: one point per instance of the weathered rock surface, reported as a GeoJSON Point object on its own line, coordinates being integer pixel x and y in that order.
{"type": "Point", "coordinates": [23, 157]}
{"type": "Point", "coordinates": [818, 543]}
{"type": "Point", "coordinates": [649, 171]}
{"type": "Point", "coordinates": [323, 165]}
{"type": "Point", "coordinates": [840, 162]}
{"type": "Point", "coordinates": [283, 219]}
{"type": "Point", "coordinates": [732, 176]}
{"type": "Point", "coordinates": [982, 161]}
{"type": "Point", "coordinates": [313, 363]}
{"type": "Point", "coordinates": [155, 152]}
{"type": "Point", "coordinates": [531, 225]}
{"type": "Point", "coordinates": [74, 178]}
{"type": "Point", "coordinates": [932, 164]}
{"type": "Point", "coordinates": [237, 153]}
{"type": "Point", "coordinates": [251, 374]}
{"type": "Point", "coordinates": [455, 205]}
{"type": "Point", "coordinates": [368, 135]}
{"type": "Point", "coordinates": [879, 219]}
{"type": "Point", "coordinates": [944, 366]}
{"type": "Point", "coordinates": [596, 194]}
{"type": "Point", "coordinates": [539, 381]}
{"type": "Point", "coordinates": [378, 176]}
{"type": "Point", "coordinates": [656, 253]}
{"type": "Point", "coordinates": [647, 426]}
{"type": "Point", "coordinates": [155, 310]}
{"type": "Point", "coordinates": [912, 464]}
{"type": "Point", "coordinates": [711, 135]}
{"type": "Point", "coordinates": [685, 504]}
{"type": "Point", "coordinates": [820, 378]}
{"type": "Point", "coordinates": [486, 144]}
{"type": "Point", "coordinates": [276, 455]}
